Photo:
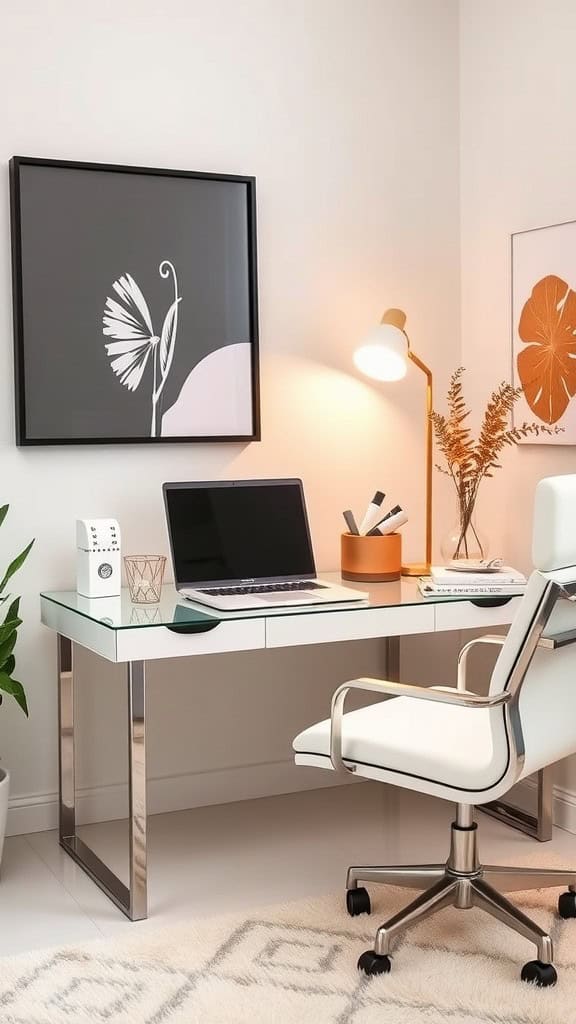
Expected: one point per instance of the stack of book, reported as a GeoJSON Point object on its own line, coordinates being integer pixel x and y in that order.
{"type": "Point", "coordinates": [445, 582]}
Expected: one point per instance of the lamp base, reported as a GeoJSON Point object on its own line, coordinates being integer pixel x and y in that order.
{"type": "Point", "coordinates": [416, 569]}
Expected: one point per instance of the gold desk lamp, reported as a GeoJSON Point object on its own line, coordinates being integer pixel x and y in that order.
{"type": "Point", "coordinates": [384, 356]}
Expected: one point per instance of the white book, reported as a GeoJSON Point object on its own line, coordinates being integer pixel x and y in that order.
{"type": "Point", "coordinates": [428, 588]}
{"type": "Point", "coordinates": [444, 577]}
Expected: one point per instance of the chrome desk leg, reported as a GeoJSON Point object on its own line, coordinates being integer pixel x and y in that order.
{"type": "Point", "coordinates": [132, 899]}
{"type": "Point", "coordinates": [393, 658]}
{"type": "Point", "coordinates": [67, 806]}
{"type": "Point", "coordinates": [137, 790]}
{"type": "Point", "coordinates": [538, 825]}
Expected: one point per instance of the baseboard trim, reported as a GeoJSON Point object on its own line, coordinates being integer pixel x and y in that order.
{"type": "Point", "coordinates": [37, 812]}
{"type": "Point", "coordinates": [563, 804]}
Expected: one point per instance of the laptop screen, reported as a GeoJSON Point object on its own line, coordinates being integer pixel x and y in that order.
{"type": "Point", "coordinates": [238, 531]}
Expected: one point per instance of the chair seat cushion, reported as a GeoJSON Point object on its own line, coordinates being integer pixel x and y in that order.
{"type": "Point", "coordinates": [462, 748]}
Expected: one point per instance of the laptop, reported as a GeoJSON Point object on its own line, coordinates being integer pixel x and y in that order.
{"type": "Point", "coordinates": [239, 544]}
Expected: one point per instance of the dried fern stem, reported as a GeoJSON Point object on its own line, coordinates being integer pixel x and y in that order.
{"type": "Point", "coordinates": [470, 461]}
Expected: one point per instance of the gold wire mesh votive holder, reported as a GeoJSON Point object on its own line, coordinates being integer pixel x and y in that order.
{"type": "Point", "coordinates": [144, 574]}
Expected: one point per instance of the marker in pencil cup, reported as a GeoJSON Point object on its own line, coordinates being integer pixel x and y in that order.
{"type": "Point", "coordinates": [373, 514]}
{"type": "Point", "coordinates": [393, 521]}
{"type": "Point", "coordinates": [350, 522]}
{"type": "Point", "coordinates": [376, 527]}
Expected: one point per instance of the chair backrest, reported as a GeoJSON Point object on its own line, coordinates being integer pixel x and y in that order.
{"type": "Point", "coordinates": [554, 529]}
{"type": "Point", "coordinates": [544, 682]}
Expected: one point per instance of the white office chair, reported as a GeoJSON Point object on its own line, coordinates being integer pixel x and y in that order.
{"type": "Point", "coordinates": [470, 749]}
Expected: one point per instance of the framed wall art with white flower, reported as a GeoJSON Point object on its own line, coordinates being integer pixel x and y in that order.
{"type": "Point", "coordinates": [135, 304]}
{"type": "Point", "coordinates": [544, 330]}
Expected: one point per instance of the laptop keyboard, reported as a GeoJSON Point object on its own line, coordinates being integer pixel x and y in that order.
{"type": "Point", "coordinates": [265, 588]}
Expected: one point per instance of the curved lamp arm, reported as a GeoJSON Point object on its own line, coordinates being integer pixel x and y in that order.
{"type": "Point", "coordinates": [397, 318]}
{"type": "Point", "coordinates": [429, 441]}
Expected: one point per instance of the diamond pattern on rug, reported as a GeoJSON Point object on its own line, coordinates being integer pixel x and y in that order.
{"type": "Point", "coordinates": [103, 999]}
{"type": "Point", "coordinates": [283, 953]}
{"type": "Point", "coordinates": [296, 965]}
{"type": "Point", "coordinates": [78, 988]}
{"type": "Point", "coordinates": [293, 954]}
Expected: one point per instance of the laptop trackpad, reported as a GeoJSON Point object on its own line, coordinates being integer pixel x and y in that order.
{"type": "Point", "coordinates": [285, 596]}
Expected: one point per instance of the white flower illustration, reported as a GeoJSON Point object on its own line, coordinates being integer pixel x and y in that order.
{"type": "Point", "coordinates": [127, 320]}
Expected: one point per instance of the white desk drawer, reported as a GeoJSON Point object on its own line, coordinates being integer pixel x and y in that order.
{"type": "Point", "coordinates": [465, 615]}
{"type": "Point", "coordinates": [354, 624]}
{"type": "Point", "coordinates": [145, 644]}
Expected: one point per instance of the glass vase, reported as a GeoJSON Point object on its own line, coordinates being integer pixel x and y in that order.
{"type": "Point", "coordinates": [464, 542]}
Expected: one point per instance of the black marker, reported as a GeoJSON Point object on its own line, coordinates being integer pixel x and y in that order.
{"type": "Point", "coordinates": [350, 521]}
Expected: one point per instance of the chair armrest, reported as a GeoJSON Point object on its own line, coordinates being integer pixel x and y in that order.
{"type": "Point", "coordinates": [548, 643]}
{"type": "Point", "coordinates": [488, 638]}
{"type": "Point", "coordinates": [391, 689]}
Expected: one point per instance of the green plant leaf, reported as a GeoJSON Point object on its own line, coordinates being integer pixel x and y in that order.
{"type": "Point", "coordinates": [8, 628]}
{"type": "Point", "coordinates": [15, 565]}
{"type": "Point", "coordinates": [15, 689]}
{"type": "Point", "coordinates": [3, 512]}
{"type": "Point", "coordinates": [13, 610]}
{"type": "Point", "coordinates": [9, 665]}
{"type": "Point", "coordinates": [7, 647]}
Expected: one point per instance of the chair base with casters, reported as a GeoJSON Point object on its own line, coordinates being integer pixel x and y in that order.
{"type": "Point", "coordinates": [472, 749]}
{"type": "Point", "coordinates": [461, 882]}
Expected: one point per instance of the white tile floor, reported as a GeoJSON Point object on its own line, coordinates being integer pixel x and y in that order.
{"type": "Point", "coordinates": [216, 859]}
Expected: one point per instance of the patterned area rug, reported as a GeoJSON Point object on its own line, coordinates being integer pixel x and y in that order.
{"type": "Point", "coordinates": [296, 965]}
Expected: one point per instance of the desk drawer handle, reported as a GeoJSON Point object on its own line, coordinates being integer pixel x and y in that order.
{"type": "Point", "coordinates": [194, 627]}
{"type": "Point", "coordinates": [491, 602]}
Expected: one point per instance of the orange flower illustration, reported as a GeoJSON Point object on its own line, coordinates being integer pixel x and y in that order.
{"type": "Point", "coordinates": [547, 368]}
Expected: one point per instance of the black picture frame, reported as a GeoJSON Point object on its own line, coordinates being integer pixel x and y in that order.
{"type": "Point", "coordinates": [24, 436]}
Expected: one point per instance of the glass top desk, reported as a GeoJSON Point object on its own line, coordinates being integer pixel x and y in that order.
{"type": "Point", "coordinates": [120, 631]}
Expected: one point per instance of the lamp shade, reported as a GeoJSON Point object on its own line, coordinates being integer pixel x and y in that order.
{"type": "Point", "coordinates": [384, 354]}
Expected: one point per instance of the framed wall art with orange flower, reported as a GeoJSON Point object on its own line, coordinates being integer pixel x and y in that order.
{"type": "Point", "coordinates": [135, 304]}
{"type": "Point", "coordinates": [544, 330]}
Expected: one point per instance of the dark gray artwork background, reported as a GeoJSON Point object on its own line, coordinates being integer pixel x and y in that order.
{"type": "Point", "coordinates": [81, 231]}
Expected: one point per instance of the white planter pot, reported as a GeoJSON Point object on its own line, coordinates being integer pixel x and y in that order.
{"type": "Point", "coordinates": [4, 789]}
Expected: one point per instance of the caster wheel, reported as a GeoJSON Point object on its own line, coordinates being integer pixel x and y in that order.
{"type": "Point", "coordinates": [370, 963]}
{"type": "Point", "coordinates": [357, 902]}
{"type": "Point", "coordinates": [539, 974]}
{"type": "Point", "coordinates": [567, 905]}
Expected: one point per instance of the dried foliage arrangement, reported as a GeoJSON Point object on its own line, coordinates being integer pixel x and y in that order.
{"type": "Point", "coordinates": [469, 461]}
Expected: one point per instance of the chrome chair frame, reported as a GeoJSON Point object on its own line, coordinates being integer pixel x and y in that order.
{"type": "Point", "coordinates": [462, 881]}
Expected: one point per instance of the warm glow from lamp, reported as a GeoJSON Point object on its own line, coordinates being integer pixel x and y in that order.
{"type": "Point", "coordinates": [383, 356]}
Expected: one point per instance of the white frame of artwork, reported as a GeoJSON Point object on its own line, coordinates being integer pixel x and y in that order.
{"type": "Point", "coordinates": [534, 254]}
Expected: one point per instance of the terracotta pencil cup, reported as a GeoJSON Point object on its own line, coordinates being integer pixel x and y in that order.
{"type": "Point", "coordinates": [371, 559]}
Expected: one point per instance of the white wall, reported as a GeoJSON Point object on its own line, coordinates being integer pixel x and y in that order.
{"type": "Point", "coordinates": [347, 113]}
{"type": "Point", "coordinates": [518, 165]}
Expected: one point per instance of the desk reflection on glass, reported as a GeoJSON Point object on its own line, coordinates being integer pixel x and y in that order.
{"type": "Point", "coordinates": [141, 615]}
{"type": "Point", "coordinates": [104, 609]}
